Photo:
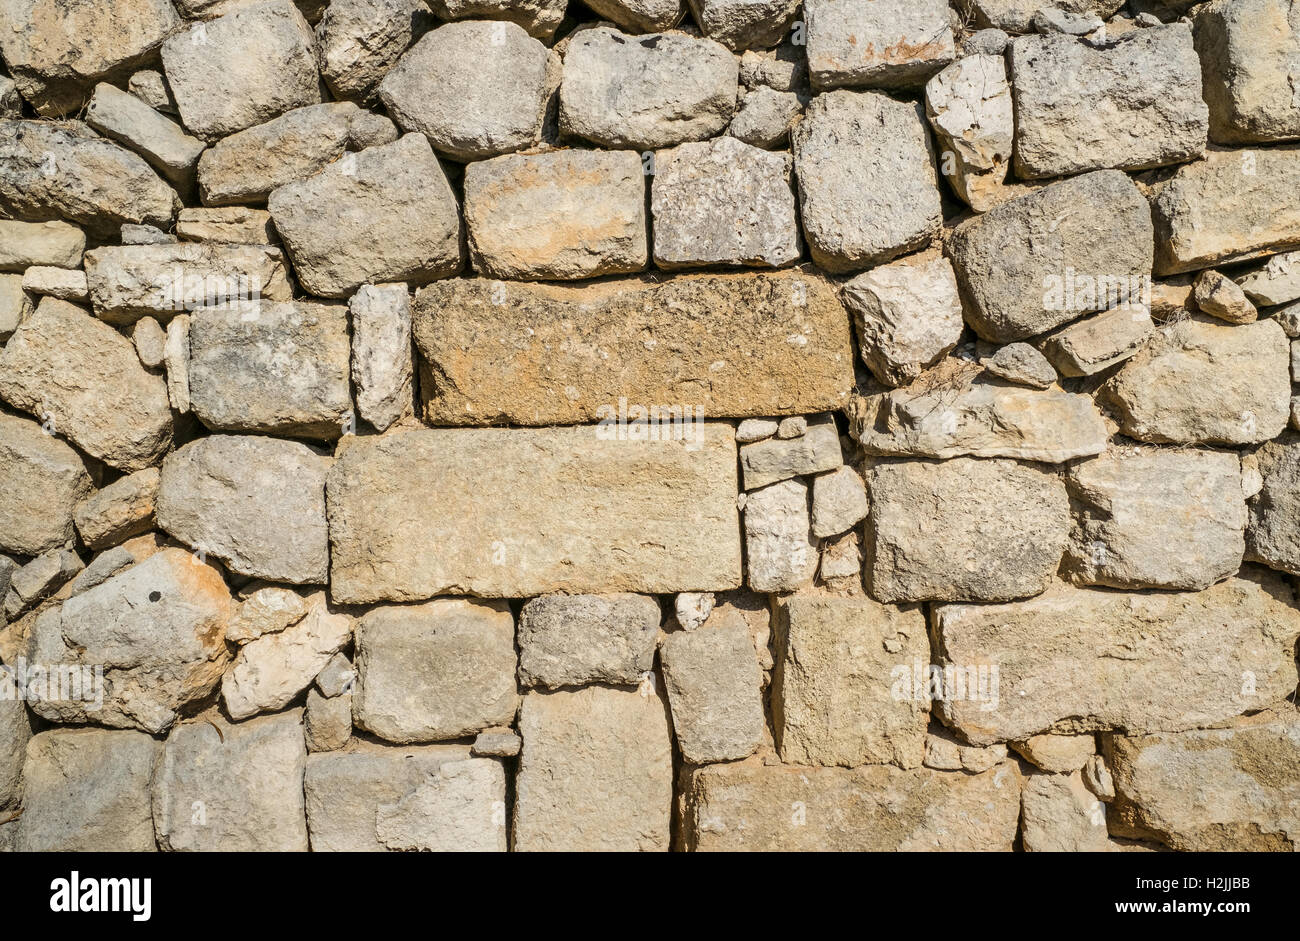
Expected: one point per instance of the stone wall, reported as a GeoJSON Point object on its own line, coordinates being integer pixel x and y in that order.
{"type": "Point", "coordinates": [649, 424]}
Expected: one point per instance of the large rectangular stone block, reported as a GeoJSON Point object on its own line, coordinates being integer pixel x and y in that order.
{"type": "Point", "coordinates": [512, 513]}
{"type": "Point", "coordinates": [732, 346]}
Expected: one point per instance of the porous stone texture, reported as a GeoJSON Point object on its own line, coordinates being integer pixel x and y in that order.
{"type": "Point", "coordinates": [381, 352]}
{"type": "Point", "coordinates": [123, 509]}
{"type": "Point", "coordinates": [780, 551]}
{"type": "Point", "coordinates": [361, 40]}
{"type": "Point", "coordinates": [882, 44]}
{"type": "Point", "coordinates": [1247, 50]}
{"type": "Point", "coordinates": [573, 640]}
{"type": "Point", "coordinates": [44, 480]}
{"type": "Point", "coordinates": [969, 106]}
{"type": "Point", "coordinates": [714, 687]}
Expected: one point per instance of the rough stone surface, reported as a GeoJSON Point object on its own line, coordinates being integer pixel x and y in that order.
{"type": "Point", "coordinates": [1271, 537]}
{"type": "Point", "coordinates": [122, 117]}
{"type": "Point", "coordinates": [641, 16]}
{"type": "Point", "coordinates": [1021, 364]}
{"type": "Point", "coordinates": [15, 732]}
{"type": "Point", "coordinates": [361, 40]}
{"type": "Point", "coordinates": [327, 722]}
{"type": "Point", "coordinates": [969, 106]}
{"type": "Point", "coordinates": [457, 808]}
{"type": "Point", "coordinates": [573, 640]}
{"type": "Point", "coordinates": [884, 44]}
{"type": "Point", "coordinates": [24, 244]}
{"type": "Point", "coordinates": [1221, 297]}
{"type": "Point", "coordinates": [780, 552]}
{"type": "Point", "coordinates": [123, 509]}
{"type": "Point", "coordinates": [381, 352]}
{"type": "Point", "coordinates": [780, 458]}
{"type": "Point", "coordinates": [1098, 342]}
{"type": "Point", "coordinates": [714, 687]}
{"type": "Point", "coordinates": [839, 502]}
{"type": "Point", "coordinates": [1058, 754]}
{"type": "Point", "coordinates": [745, 24]}
{"type": "Point", "coordinates": [1248, 50]}
{"type": "Point", "coordinates": [1275, 282]}
{"type": "Point", "coordinates": [42, 481]}
{"type": "Point", "coordinates": [1060, 815]}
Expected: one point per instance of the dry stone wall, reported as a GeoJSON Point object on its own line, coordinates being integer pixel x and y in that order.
{"type": "Point", "coordinates": [649, 424]}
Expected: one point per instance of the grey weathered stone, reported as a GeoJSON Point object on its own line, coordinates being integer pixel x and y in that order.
{"type": "Point", "coordinates": [436, 671]}
{"type": "Point", "coordinates": [745, 24]}
{"type": "Point", "coordinates": [381, 352]}
{"type": "Point", "coordinates": [475, 89]}
{"type": "Point", "coordinates": [794, 426]}
{"type": "Point", "coordinates": [835, 698]}
{"type": "Point", "coordinates": [1060, 815]}
{"type": "Point", "coordinates": [573, 640]}
{"type": "Point", "coordinates": [1041, 260]}
{"type": "Point", "coordinates": [232, 787]}
{"type": "Point", "coordinates": [1016, 16]}
{"type": "Point", "coordinates": [950, 411]}
{"type": "Point", "coordinates": [774, 459]}
{"type": "Point", "coordinates": [839, 502]}
{"type": "Point", "coordinates": [541, 18]}
{"type": "Point", "coordinates": [1273, 283]}
{"type": "Point", "coordinates": [764, 117]}
{"type": "Point", "coordinates": [217, 494]}
{"type": "Point", "coordinates": [15, 305]}
{"type": "Point", "coordinates": [23, 244]}
{"type": "Point", "coordinates": [359, 41]}
{"type": "Point", "coordinates": [123, 509]}
{"type": "Point", "coordinates": [268, 673]}
{"type": "Point", "coordinates": [641, 16]}
{"type": "Point", "coordinates": [15, 732]}
{"type": "Point", "coordinates": [226, 225]}
{"type": "Point", "coordinates": [145, 235]}
{"type": "Point", "coordinates": [782, 69]}
{"type": "Point", "coordinates": [83, 378]}
{"type": "Point", "coordinates": [1202, 381]}
{"type": "Point", "coordinates": [714, 687]}
{"type": "Point", "coordinates": [64, 170]}
{"type": "Point", "coordinates": [57, 50]}
{"type": "Point", "coordinates": [122, 117]}
{"type": "Point", "coordinates": [1271, 537]}
{"type": "Point", "coordinates": [963, 530]}
{"type": "Point", "coordinates": [1090, 660]}
{"type": "Point", "coordinates": [667, 520]}
{"type": "Point", "coordinates": [595, 772]}
{"type": "Point", "coordinates": [1052, 20]}
{"type": "Point", "coordinates": [1100, 341]}
{"type": "Point", "coordinates": [969, 106]}
{"type": "Point", "coordinates": [1155, 518]}
{"type": "Point", "coordinates": [1022, 364]}
{"type": "Point", "coordinates": [564, 215]}
{"type": "Point", "coordinates": [43, 481]}
{"type": "Point", "coordinates": [176, 359]}
{"type": "Point", "coordinates": [984, 42]}
{"type": "Point", "coordinates": [723, 202]}
{"type": "Point", "coordinates": [646, 92]}
{"type": "Point", "coordinates": [1233, 205]}
{"type": "Point", "coordinates": [87, 790]}
{"type": "Point", "coordinates": [150, 339]}
{"type": "Point", "coordinates": [63, 283]}
{"type": "Point", "coordinates": [337, 677]}
{"type": "Point", "coordinates": [103, 567]}
{"type": "Point", "coordinates": [157, 628]}
{"type": "Point", "coordinates": [1248, 50]}
{"type": "Point", "coordinates": [39, 579]}
{"type": "Point", "coordinates": [458, 808]}
{"type": "Point", "coordinates": [150, 87]}
{"type": "Point", "coordinates": [884, 44]}
{"type": "Point", "coordinates": [387, 214]}
{"type": "Point", "coordinates": [496, 743]}
{"type": "Point", "coordinates": [841, 557]}
{"type": "Point", "coordinates": [128, 282]}
{"type": "Point", "coordinates": [266, 610]}
{"type": "Point", "coordinates": [868, 186]}
{"type": "Point", "coordinates": [944, 752]}
{"type": "Point", "coordinates": [279, 368]}
{"type": "Point", "coordinates": [246, 167]}
{"type": "Point", "coordinates": [756, 429]}
{"type": "Point", "coordinates": [581, 354]}
{"type": "Point", "coordinates": [776, 808]}
{"type": "Point", "coordinates": [246, 67]}
{"type": "Point", "coordinates": [780, 551]}
{"type": "Point", "coordinates": [1221, 297]}
{"type": "Point", "coordinates": [327, 722]}
{"type": "Point", "coordinates": [1211, 790]}
{"type": "Point", "coordinates": [908, 316]}
{"type": "Point", "coordinates": [692, 608]}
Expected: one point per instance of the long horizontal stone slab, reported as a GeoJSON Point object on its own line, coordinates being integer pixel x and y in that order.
{"type": "Point", "coordinates": [512, 513]}
{"type": "Point", "coordinates": [732, 346]}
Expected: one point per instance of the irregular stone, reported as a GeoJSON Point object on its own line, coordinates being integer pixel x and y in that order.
{"type": "Point", "coordinates": [57, 50]}
{"type": "Point", "coordinates": [969, 107]}
{"type": "Point", "coordinates": [176, 359]}
{"type": "Point", "coordinates": [436, 671]}
{"type": "Point", "coordinates": [745, 24]}
{"type": "Point", "coordinates": [868, 187]}
{"type": "Point", "coordinates": [496, 743]}
{"type": "Point", "coordinates": [381, 352]}
{"type": "Point", "coordinates": [150, 87]}
{"type": "Point", "coordinates": [756, 429]}
{"type": "Point", "coordinates": [578, 354]}
{"type": "Point", "coordinates": [39, 579]}
{"type": "Point", "coordinates": [878, 808]}
{"type": "Point", "coordinates": [1248, 50]}
{"type": "Point", "coordinates": [1094, 343]}
{"type": "Point", "coordinates": [943, 752]}
{"type": "Point", "coordinates": [884, 44]}
{"type": "Point", "coordinates": [128, 282]}
{"type": "Point", "coordinates": [269, 672]}
{"type": "Point", "coordinates": [62, 283]}
{"type": "Point", "coordinates": [15, 305]}
{"type": "Point", "coordinates": [1132, 105]}
{"type": "Point", "coordinates": [796, 426]}
{"type": "Point", "coordinates": [841, 557]}
{"type": "Point", "coordinates": [646, 92]}
{"type": "Point", "coordinates": [1022, 364]}
{"type": "Point", "coordinates": [87, 790]}
{"type": "Point", "coordinates": [1012, 260]}
{"type": "Point", "coordinates": [1052, 20]}
{"type": "Point", "coordinates": [217, 494]}
{"type": "Point", "coordinates": [226, 225]}
{"type": "Point", "coordinates": [337, 677]}
{"type": "Point", "coordinates": [246, 167]}
{"type": "Point", "coordinates": [24, 244]}
{"type": "Point", "coordinates": [15, 732]}
{"type": "Point", "coordinates": [595, 772]}
{"type": "Point", "coordinates": [782, 69]}
{"type": "Point", "coordinates": [1060, 815]}
{"type": "Point", "coordinates": [1210, 790]}
{"type": "Point", "coordinates": [1058, 754]}
{"type": "Point", "coordinates": [232, 787]}
{"type": "Point", "coordinates": [122, 117]}
{"type": "Point", "coordinates": [387, 214]}
{"type": "Point", "coordinates": [641, 16]}
{"type": "Point", "coordinates": [512, 514]}
{"type": "Point", "coordinates": [1233, 205]}
{"type": "Point", "coordinates": [776, 459]}
{"type": "Point", "coordinates": [123, 509]}
{"type": "Point", "coordinates": [145, 235]}
{"type": "Point", "coordinates": [103, 567]}
{"type": "Point", "coordinates": [1016, 16]}
{"type": "Point", "coordinates": [158, 629]}
{"type": "Point", "coordinates": [456, 809]}
{"type": "Point", "coordinates": [64, 170]}
{"type": "Point", "coordinates": [714, 687]}
{"type": "Point", "coordinates": [327, 723]}
{"type": "Point", "coordinates": [1156, 518]}
{"type": "Point", "coordinates": [573, 640]}
{"type": "Point", "coordinates": [1220, 297]}
{"type": "Point", "coordinates": [908, 316]}
{"type": "Point", "coordinates": [541, 18]}
{"type": "Point", "coordinates": [984, 42]}
{"type": "Point", "coordinates": [692, 608]}
{"type": "Point", "coordinates": [475, 89]}
{"type": "Point", "coordinates": [1205, 382]}
{"type": "Point", "coordinates": [84, 380]}
{"type": "Point", "coordinates": [564, 215]}
{"type": "Point", "coordinates": [274, 368]}
{"type": "Point", "coordinates": [950, 412]}
{"type": "Point", "coordinates": [265, 611]}
{"type": "Point", "coordinates": [963, 529]}
{"type": "Point", "coordinates": [1090, 660]}
{"type": "Point", "coordinates": [361, 40]}
{"type": "Point", "coordinates": [250, 65]}
{"type": "Point", "coordinates": [780, 552]}
{"type": "Point", "coordinates": [1275, 282]}
{"type": "Point", "coordinates": [42, 480]}
{"type": "Point", "coordinates": [835, 700]}
{"type": "Point", "coordinates": [839, 502]}
{"type": "Point", "coordinates": [149, 339]}
{"type": "Point", "coordinates": [1271, 537]}
{"type": "Point", "coordinates": [723, 202]}
{"type": "Point", "coordinates": [764, 117]}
